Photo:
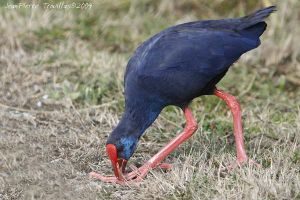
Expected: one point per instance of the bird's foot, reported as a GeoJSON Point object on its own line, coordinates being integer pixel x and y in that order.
{"type": "Point", "coordinates": [241, 162]}
{"type": "Point", "coordinates": [107, 179]}
{"type": "Point", "coordinates": [132, 177]}
{"type": "Point", "coordinates": [135, 176]}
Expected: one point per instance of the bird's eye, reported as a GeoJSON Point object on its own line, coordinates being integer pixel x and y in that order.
{"type": "Point", "coordinates": [121, 148]}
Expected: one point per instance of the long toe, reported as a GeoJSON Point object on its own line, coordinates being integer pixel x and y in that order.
{"type": "Point", "coordinates": [95, 175]}
{"type": "Point", "coordinates": [138, 173]}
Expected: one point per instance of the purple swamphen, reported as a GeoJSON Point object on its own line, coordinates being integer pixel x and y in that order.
{"type": "Point", "coordinates": [172, 68]}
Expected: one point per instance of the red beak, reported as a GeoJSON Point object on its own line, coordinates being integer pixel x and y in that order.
{"type": "Point", "coordinates": [118, 164]}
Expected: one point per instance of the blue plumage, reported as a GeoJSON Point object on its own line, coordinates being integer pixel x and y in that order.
{"type": "Point", "coordinates": [179, 64]}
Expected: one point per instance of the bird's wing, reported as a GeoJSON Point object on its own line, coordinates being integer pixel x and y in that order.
{"type": "Point", "coordinates": [185, 60]}
{"type": "Point", "coordinates": [205, 48]}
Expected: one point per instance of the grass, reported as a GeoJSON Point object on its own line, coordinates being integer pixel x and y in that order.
{"type": "Point", "coordinates": [61, 94]}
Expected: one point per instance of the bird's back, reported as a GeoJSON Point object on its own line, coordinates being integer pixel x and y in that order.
{"type": "Point", "coordinates": [187, 60]}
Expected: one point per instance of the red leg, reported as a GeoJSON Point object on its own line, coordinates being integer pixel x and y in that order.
{"type": "Point", "coordinates": [234, 106]}
{"type": "Point", "coordinates": [190, 127]}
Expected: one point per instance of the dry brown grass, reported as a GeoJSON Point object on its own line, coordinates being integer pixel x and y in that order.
{"type": "Point", "coordinates": [61, 95]}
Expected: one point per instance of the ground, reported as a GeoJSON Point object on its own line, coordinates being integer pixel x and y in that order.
{"type": "Point", "coordinates": [61, 94]}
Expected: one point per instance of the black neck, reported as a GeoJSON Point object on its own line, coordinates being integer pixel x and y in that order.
{"type": "Point", "coordinates": [135, 120]}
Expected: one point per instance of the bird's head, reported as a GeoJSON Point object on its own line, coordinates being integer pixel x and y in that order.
{"type": "Point", "coordinates": [123, 140]}
{"type": "Point", "coordinates": [119, 152]}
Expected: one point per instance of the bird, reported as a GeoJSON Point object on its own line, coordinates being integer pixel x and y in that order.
{"type": "Point", "coordinates": [173, 67]}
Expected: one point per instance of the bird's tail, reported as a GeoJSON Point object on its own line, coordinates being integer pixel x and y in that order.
{"type": "Point", "coordinates": [256, 17]}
